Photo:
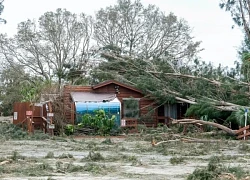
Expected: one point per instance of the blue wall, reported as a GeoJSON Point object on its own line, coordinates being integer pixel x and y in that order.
{"type": "Point", "coordinates": [110, 108]}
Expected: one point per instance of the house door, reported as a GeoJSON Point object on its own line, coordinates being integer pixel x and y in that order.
{"type": "Point", "coordinates": [165, 112]}
{"type": "Point", "coordinates": [170, 110]}
{"type": "Point", "coordinates": [161, 114]}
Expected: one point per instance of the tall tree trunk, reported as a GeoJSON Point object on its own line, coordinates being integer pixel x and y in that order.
{"type": "Point", "coordinates": [194, 121]}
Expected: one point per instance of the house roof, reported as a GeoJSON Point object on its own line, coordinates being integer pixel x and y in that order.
{"type": "Point", "coordinates": [105, 83]}
{"type": "Point", "coordinates": [91, 97]}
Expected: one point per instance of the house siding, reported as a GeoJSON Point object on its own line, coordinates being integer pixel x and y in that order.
{"type": "Point", "coordinates": [145, 104]}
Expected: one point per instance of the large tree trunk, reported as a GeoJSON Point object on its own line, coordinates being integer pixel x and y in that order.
{"type": "Point", "coordinates": [194, 121]}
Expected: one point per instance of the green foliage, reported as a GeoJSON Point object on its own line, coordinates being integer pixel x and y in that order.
{"type": "Point", "coordinates": [31, 90]}
{"type": "Point", "coordinates": [101, 122]}
{"type": "Point", "coordinates": [131, 108]}
{"type": "Point", "coordinates": [176, 160]}
{"type": "Point", "coordinates": [202, 109]}
{"type": "Point", "coordinates": [11, 131]}
{"type": "Point", "coordinates": [69, 129]}
{"type": "Point", "coordinates": [16, 156]}
{"type": "Point", "coordinates": [214, 169]}
{"type": "Point", "coordinates": [19, 86]}
{"type": "Point", "coordinates": [10, 87]}
{"type": "Point", "coordinates": [240, 117]}
{"type": "Point", "coordinates": [237, 13]}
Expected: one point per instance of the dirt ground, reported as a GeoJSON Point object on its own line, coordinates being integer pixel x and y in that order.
{"type": "Point", "coordinates": [126, 157]}
{"type": "Point", "coordinates": [8, 119]}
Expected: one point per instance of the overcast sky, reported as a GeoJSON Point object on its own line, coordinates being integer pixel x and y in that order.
{"type": "Point", "coordinates": [210, 24]}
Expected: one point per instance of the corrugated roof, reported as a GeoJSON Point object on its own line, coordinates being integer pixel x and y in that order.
{"type": "Point", "coordinates": [91, 97]}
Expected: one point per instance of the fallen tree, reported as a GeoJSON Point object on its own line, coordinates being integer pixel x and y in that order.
{"type": "Point", "coordinates": [187, 140]}
{"type": "Point", "coordinates": [195, 121]}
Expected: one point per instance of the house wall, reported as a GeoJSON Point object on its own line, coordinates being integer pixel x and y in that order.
{"type": "Point", "coordinates": [144, 104]}
{"type": "Point", "coordinates": [69, 108]}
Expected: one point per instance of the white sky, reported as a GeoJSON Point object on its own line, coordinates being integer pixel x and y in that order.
{"type": "Point", "coordinates": [210, 24]}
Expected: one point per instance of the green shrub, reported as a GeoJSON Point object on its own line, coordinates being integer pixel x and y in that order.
{"type": "Point", "coordinates": [15, 156]}
{"type": "Point", "coordinates": [101, 122]}
{"type": "Point", "coordinates": [176, 160]}
{"type": "Point", "coordinates": [69, 129]}
{"type": "Point", "coordinates": [201, 174]}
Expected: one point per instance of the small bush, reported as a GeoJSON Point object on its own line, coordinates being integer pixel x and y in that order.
{"type": "Point", "coordinates": [94, 168]}
{"type": "Point", "coordinates": [107, 141]}
{"type": "Point", "coordinates": [201, 174]}
{"type": "Point", "coordinates": [213, 163]}
{"type": "Point", "coordinates": [65, 156]}
{"type": "Point", "coordinates": [69, 129]}
{"type": "Point", "coordinates": [15, 156]}
{"type": "Point", "coordinates": [44, 166]}
{"type": "Point", "coordinates": [176, 160]}
{"type": "Point", "coordinates": [73, 168]}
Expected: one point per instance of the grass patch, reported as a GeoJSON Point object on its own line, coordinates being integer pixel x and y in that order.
{"type": "Point", "coordinates": [107, 141]}
{"type": "Point", "coordinates": [89, 167]}
{"type": "Point", "coordinates": [176, 160]}
{"type": "Point", "coordinates": [11, 131]}
{"type": "Point", "coordinates": [244, 147]}
{"type": "Point", "coordinates": [16, 156]}
{"type": "Point", "coordinates": [216, 170]}
{"type": "Point", "coordinates": [65, 156]}
{"type": "Point", "coordinates": [96, 168]}
{"type": "Point", "coordinates": [92, 156]}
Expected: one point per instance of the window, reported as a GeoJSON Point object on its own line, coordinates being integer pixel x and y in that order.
{"type": "Point", "coordinates": [131, 107]}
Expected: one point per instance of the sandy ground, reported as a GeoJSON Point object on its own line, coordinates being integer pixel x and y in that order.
{"type": "Point", "coordinates": [111, 158]}
{"type": "Point", "coordinates": [124, 158]}
{"type": "Point", "coordinates": [6, 119]}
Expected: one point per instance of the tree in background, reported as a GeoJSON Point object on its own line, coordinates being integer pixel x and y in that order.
{"type": "Point", "coordinates": [240, 12]}
{"type": "Point", "coordinates": [10, 88]}
{"type": "Point", "coordinates": [144, 32]}
{"type": "Point", "coordinates": [145, 38]}
{"type": "Point", "coordinates": [50, 48]}
{"type": "Point", "coordinates": [1, 10]}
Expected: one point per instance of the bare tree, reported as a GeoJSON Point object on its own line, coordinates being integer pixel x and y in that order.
{"type": "Point", "coordinates": [58, 43]}
{"type": "Point", "coordinates": [144, 32]}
